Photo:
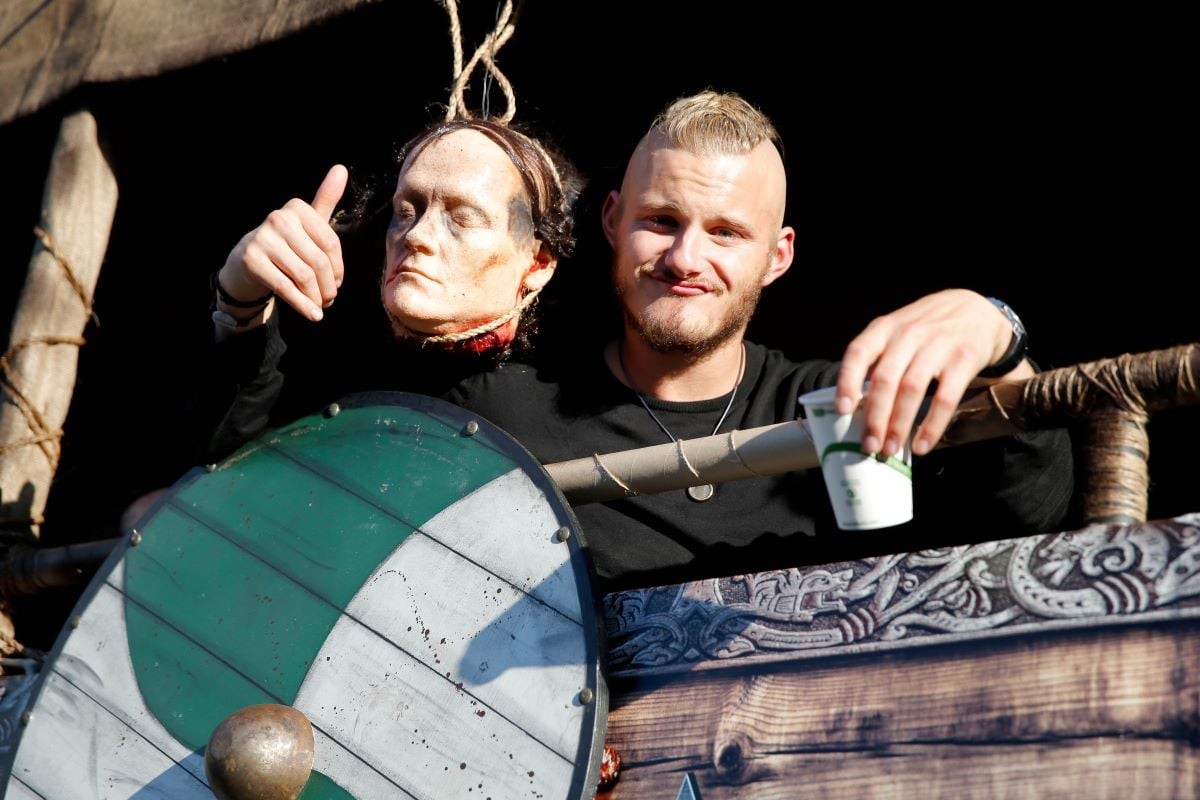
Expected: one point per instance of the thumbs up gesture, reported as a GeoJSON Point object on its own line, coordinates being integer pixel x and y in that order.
{"type": "Point", "coordinates": [293, 253]}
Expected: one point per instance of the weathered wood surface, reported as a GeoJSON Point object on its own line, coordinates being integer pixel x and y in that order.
{"type": "Point", "coordinates": [1098, 714]}
{"type": "Point", "coordinates": [77, 212]}
{"type": "Point", "coordinates": [1098, 575]}
{"type": "Point", "coordinates": [1063, 665]}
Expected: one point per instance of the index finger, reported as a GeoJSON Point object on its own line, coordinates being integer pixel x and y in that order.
{"type": "Point", "coordinates": [861, 354]}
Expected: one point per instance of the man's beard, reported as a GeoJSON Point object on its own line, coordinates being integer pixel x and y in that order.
{"type": "Point", "coordinates": [665, 331]}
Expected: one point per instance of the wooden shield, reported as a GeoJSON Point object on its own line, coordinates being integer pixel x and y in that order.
{"type": "Point", "coordinates": [403, 573]}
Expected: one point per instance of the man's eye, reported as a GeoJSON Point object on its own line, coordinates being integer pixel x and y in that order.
{"type": "Point", "coordinates": [726, 233]}
{"type": "Point", "coordinates": [660, 221]}
{"type": "Point", "coordinates": [468, 217]}
{"type": "Point", "coordinates": [404, 211]}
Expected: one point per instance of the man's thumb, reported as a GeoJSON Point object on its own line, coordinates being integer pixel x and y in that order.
{"type": "Point", "coordinates": [330, 191]}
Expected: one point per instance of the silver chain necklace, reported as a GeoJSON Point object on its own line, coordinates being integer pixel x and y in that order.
{"type": "Point", "coordinates": [704, 491]}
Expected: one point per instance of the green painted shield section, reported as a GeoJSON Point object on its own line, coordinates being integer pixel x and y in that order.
{"type": "Point", "coordinates": [184, 678]}
{"type": "Point", "coordinates": [320, 787]}
{"type": "Point", "coordinates": [239, 579]}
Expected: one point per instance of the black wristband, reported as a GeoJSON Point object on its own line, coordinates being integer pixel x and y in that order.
{"type": "Point", "coordinates": [1016, 351]}
{"type": "Point", "coordinates": [230, 300]}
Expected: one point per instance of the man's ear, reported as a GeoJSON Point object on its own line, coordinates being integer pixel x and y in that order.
{"type": "Point", "coordinates": [541, 270]}
{"type": "Point", "coordinates": [782, 256]}
{"type": "Point", "coordinates": [609, 214]}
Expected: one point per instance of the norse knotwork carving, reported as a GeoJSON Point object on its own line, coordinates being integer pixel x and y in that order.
{"type": "Point", "coordinates": [1097, 575]}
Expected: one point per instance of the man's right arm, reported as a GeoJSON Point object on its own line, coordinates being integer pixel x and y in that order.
{"type": "Point", "coordinates": [294, 255]}
{"type": "Point", "coordinates": [235, 385]}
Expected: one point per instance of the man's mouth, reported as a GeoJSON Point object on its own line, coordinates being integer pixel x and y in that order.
{"type": "Point", "coordinates": [400, 270]}
{"type": "Point", "coordinates": [682, 287]}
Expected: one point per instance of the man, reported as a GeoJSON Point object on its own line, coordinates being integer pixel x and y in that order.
{"type": "Point", "coordinates": [697, 232]}
{"type": "Point", "coordinates": [481, 215]}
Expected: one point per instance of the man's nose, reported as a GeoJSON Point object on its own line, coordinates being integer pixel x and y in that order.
{"type": "Point", "coordinates": [421, 236]}
{"type": "Point", "coordinates": [684, 256]}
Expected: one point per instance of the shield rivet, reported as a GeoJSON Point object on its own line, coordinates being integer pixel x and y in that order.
{"type": "Point", "coordinates": [135, 538]}
{"type": "Point", "coordinates": [472, 428]}
{"type": "Point", "coordinates": [562, 534]}
{"type": "Point", "coordinates": [332, 410]}
{"type": "Point", "coordinates": [586, 696]}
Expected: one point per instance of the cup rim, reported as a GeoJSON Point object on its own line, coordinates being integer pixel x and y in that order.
{"type": "Point", "coordinates": [826, 395]}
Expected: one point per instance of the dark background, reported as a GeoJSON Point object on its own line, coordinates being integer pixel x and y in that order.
{"type": "Point", "coordinates": [1047, 160]}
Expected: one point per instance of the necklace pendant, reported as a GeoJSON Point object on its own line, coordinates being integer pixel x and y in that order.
{"type": "Point", "coordinates": [701, 493]}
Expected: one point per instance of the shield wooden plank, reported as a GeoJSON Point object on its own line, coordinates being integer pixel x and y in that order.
{"type": "Point", "coordinates": [400, 571]}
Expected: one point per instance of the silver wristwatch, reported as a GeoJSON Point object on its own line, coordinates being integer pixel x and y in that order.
{"type": "Point", "coordinates": [1016, 350]}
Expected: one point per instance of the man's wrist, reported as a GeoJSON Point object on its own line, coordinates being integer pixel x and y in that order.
{"type": "Point", "coordinates": [1017, 348]}
{"type": "Point", "coordinates": [220, 295]}
{"type": "Point", "coordinates": [228, 319]}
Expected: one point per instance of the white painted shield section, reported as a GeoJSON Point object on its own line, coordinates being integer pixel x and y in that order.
{"type": "Point", "coordinates": [111, 762]}
{"type": "Point", "coordinates": [92, 688]}
{"type": "Point", "coordinates": [456, 674]}
{"type": "Point", "coordinates": [509, 526]}
{"type": "Point", "coordinates": [431, 737]}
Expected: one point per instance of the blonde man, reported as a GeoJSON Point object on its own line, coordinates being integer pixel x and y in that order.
{"type": "Point", "coordinates": [697, 232]}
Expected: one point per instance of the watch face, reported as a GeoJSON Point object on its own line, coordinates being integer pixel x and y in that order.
{"type": "Point", "coordinates": [1016, 349]}
{"type": "Point", "coordinates": [1017, 326]}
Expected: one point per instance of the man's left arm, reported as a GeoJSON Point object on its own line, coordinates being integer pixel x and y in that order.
{"type": "Point", "coordinates": [951, 337]}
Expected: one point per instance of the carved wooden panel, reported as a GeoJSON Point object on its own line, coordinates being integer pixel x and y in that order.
{"type": "Point", "coordinates": [1064, 665]}
{"type": "Point", "coordinates": [1099, 575]}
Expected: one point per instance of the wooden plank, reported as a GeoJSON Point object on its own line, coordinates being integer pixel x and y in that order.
{"type": "Point", "coordinates": [1098, 769]}
{"type": "Point", "coordinates": [430, 736]}
{"type": "Point", "coordinates": [325, 500]}
{"type": "Point", "coordinates": [1104, 687]}
{"type": "Point", "coordinates": [57, 763]}
{"type": "Point", "coordinates": [508, 526]}
{"type": "Point", "coordinates": [411, 460]}
{"type": "Point", "coordinates": [17, 790]}
{"type": "Point", "coordinates": [95, 658]}
{"type": "Point", "coordinates": [269, 512]}
{"type": "Point", "coordinates": [349, 771]}
{"type": "Point", "coordinates": [1134, 681]}
{"type": "Point", "coordinates": [232, 603]}
{"type": "Point", "coordinates": [479, 632]}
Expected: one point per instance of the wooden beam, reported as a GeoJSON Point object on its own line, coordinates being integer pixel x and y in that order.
{"type": "Point", "coordinates": [39, 369]}
{"type": "Point", "coordinates": [1032, 717]}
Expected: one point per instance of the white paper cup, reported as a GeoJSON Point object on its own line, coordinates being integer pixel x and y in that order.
{"type": "Point", "coordinates": [867, 492]}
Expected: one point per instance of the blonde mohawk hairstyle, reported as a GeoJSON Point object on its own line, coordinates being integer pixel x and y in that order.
{"type": "Point", "coordinates": [721, 123]}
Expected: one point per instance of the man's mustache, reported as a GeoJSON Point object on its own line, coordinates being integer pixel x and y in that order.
{"type": "Point", "coordinates": [651, 270]}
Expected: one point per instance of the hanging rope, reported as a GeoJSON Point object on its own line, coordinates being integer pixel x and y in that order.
{"type": "Point", "coordinates": [487, 327]}
{"type": "Point", "coordinates": [45, 436]}
{"type": "Point", "coordinates": [486, 52]}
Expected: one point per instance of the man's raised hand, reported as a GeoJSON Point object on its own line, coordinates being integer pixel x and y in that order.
{"type": "Point", "coordinates": [294, 253]}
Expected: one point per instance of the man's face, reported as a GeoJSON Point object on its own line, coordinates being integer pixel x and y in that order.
{"type": "Point", "coordinates": [695, 238]}
{"type": "Point", "coordinates": [461, 244]}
